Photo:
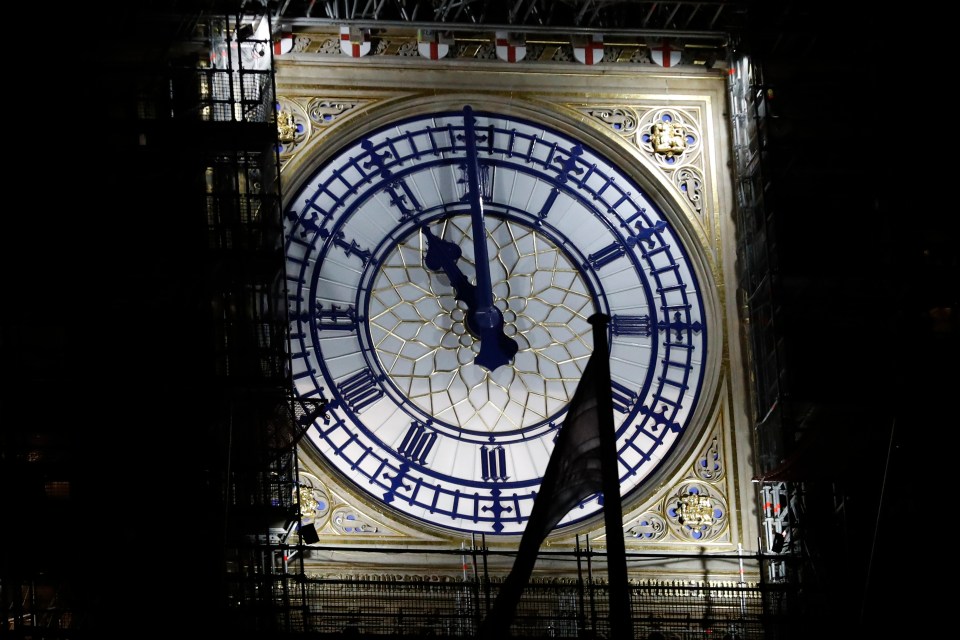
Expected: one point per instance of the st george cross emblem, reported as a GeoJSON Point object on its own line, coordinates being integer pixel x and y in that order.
{"type": "Point", "coordinates": [588, 49]}
{"type": "Point", "coordinates": [354, 42]}
{"type": "Point", "coordinates": [511, 47]}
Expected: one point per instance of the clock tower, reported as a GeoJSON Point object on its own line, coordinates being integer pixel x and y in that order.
{"type": "Point", "coordinates": [420, 192]}
{"type": "Point", "coordinates": [297, 324]}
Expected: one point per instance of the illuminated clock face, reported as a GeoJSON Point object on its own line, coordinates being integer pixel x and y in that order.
{"type": "Point", "coordinates": [441, 271]}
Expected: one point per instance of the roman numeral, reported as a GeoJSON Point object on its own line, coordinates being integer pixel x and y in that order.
{"type": "Point", "coordinates": [493, 463]}
{"type": "Point", "coordinates": [417, 443]}
{"type": "Point", "coordinates": [360, 390]}
{"type": "Point", "coordinates": [623, 397]}
{"type": "Point", "coordinates": [486, 183]}
{"type": "Point", "coordinates": [606, 255]}
{"type": "Point", "coordinates": [334, 318]}
{"type": "Point", "coordinates": [630, 325]}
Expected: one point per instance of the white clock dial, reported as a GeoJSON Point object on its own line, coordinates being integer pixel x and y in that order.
{"type": "Point", "coordinates": [442, 270]}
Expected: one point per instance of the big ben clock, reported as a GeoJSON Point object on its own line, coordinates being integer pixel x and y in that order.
{"type": "Point", "coordinates": [441, 269]}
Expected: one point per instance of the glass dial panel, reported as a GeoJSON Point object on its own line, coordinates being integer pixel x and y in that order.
{"type": "Point", "coordinates": [413, 421]}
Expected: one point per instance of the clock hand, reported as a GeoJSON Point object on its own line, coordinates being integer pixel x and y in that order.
{"type": "Point", "coordinates": [442, 255]}
{"type": "Point", "coordinates": [484, 318]}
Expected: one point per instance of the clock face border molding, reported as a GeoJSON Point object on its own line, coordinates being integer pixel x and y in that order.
{"type": "Point", "coordinates": [446, 384]}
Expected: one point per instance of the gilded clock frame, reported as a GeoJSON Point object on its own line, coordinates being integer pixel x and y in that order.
{"type": "Point", "coordinates": [639, 119]}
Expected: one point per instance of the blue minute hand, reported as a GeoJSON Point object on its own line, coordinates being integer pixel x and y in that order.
{"type": "Point", "coordinates": [484, 319]}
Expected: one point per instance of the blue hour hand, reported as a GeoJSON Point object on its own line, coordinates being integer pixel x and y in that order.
{"type": "Point", "coordinates": [484, 320]}
{"type": "Point", "coordinates": [443, 255]}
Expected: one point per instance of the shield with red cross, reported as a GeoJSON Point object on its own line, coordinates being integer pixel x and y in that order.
{"type": "Point", "coordinates": [354, 42]}
{"type": "Point", "coordinates": [666, 52]}
{"type": "Point", "coordinates": [284, 44]}
{"type": "Point", "coordinates": [588, 49]}
{"type": "Point", "coordinates": [511, 47]}
{"type": "Point", "coordinates": [432, 44]}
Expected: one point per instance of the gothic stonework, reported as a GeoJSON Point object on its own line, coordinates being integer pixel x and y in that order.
{"type": "Point", "coordinates": [621, 120]}
{"type": "Point", "coordinates": [475, 46]}
{"type": "Point", "coordinates": [346, 519]}
{"type": "Point", "coordinates": [689, 181]}
{"type": "Point", "coordinates": [486, 52]}
{"type": "Point", "coordinates": [297, 125]}
{"type": "Point", "coordinates": [300, 44]}
{"type": "Point", "coordinates": [556, 54]}
{"type": "Point", "coordinates": [314, 503]}
{"type": "Point", "coordinates": [670, 137]}
{"type": "Point", "coordinates": [709, 466]}
{"type": "Point", "coordinates": [293, 126]}
{"type": "Point", "coordinates": [324, 112]}
{"type": "Point", "coordinates": [649, 527]}
{"type": "Point", "coordinates": [408, 49]}
{"type": "Point", "coordinates": [330, 46]}
{"type": "Point", "coordinates": [313, 498]}
{"type": "Point", "coordinates": [696, 511]}
{"type": "Point", "coordinates": [318, 509]}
